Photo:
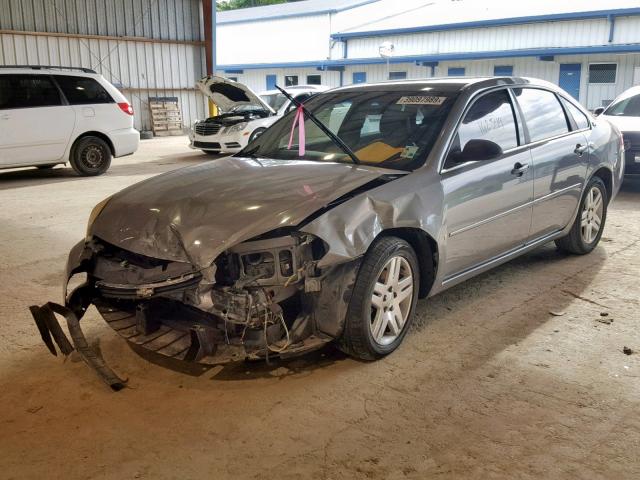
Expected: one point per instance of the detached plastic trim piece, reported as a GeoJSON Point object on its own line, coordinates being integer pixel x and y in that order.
{"type": "Point", "coordinates": [49, 327]}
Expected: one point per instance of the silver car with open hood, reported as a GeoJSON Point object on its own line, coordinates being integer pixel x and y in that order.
{"type": "Point", "coordinates": [331, 233]}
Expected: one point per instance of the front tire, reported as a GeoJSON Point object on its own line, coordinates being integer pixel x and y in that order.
{"type": "Point", "coordinates": [90, 156]}
{"type": "Point", "coordinates": [383, 302]}
{"type": "Point", "coordinates": [587, 228]}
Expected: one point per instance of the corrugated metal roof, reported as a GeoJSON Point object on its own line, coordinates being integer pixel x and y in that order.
{"type": "Point", "coordinates": [306, 7]}
{"type": "Point", "coordinates": [432, 13]}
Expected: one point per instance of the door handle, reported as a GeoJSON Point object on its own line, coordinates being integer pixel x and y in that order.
{"type": "Point", "coordinates": [519, 169]}
{"type": "Point", "coordinates": [580, 149]}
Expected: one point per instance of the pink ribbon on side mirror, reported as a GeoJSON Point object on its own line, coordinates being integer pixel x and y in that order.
{"type": "Point", "coordinates": [299, 121]}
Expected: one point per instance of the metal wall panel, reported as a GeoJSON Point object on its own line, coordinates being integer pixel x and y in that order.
{"type": "Point", "coordinates": [513, 37]}
{"type": "Point", "coordinates": [158, 19]}
{"type": "Point", "coordinates": [166, 61]}
{"type": "Point", "coordinates": [257, 79]}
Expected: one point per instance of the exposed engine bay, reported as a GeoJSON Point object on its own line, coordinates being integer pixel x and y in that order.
{"type": "Point", "coordinates": [256, 299]}
{"type": "Point", "coordinates": [237, 116]}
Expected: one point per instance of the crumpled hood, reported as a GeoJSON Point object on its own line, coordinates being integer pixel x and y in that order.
{"type": "Point", "coordinates": [221, 203]}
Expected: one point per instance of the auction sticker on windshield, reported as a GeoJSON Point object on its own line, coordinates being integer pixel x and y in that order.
{"type": "Point", "coordinates": [421, 100]}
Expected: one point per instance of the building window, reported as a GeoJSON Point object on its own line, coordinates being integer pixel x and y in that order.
{"type": "Point", "coordinates": [456, 71]}
{"type": "Point", "coordinates": [359, 77]}
{"type": "Point", "coordinates": [503, 70]}
{"type": "Point", "coordinates": [290, 80]}
{"type": "Point", "coordinates": [314, 79]}
{"type": "Point", "coordinates": [397, 75]}
{"type": "Point", "coordinates": [602, 72]}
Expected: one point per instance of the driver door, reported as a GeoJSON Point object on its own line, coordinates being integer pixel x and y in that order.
{"type": "Point", "coordinates": [488, 207]}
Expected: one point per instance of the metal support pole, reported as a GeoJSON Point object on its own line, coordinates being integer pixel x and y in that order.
{"type": "Point", "coordinates": [209, 23]}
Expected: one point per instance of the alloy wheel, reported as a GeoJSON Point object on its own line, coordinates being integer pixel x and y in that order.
{"type": "Point", "coordinates": [591, 216]}
{"type": "Point", "coordinates": [391, 300]}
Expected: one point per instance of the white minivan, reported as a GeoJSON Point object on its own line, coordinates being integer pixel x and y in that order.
{"type": "Point", "coordinates": [53, 115]}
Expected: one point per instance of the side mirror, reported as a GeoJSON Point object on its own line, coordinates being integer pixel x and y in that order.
{"type": "Point", "coordinates": [598, 111]}
{"type": "Point", "coordinates": [479, 149]}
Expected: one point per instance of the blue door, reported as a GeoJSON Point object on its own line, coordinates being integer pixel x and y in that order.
{"type": "Point", "coordinates": [503, 70]}
{"type": "Point", "coordinates": [359, 77]}
{"type": "Point", "coordinates": [570, 78]}
{"type": "Point", "coordinates": [271, 82]}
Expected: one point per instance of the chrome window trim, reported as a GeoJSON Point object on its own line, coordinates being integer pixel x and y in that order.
{"type": "Point", "coordinates": [470, 103]}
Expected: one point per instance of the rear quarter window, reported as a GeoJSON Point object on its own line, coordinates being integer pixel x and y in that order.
{"type": "Point", "coordinates": [82, 90]}
{"type": "Point", "coordinates": [543, 113]}
{"type": "Point", "coordinates": [580, 118]}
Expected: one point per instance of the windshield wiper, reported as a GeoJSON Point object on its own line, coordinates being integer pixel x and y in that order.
{"type": "Point", "coordinates": [337, 140]}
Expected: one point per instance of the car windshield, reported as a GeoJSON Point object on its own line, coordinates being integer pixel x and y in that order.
{"type": "Point", "coordinates": [274, 100]}
{"type": "Point", "coordinates": [388, 129]}
{"type": "Point", "coordinates": [628, 107]}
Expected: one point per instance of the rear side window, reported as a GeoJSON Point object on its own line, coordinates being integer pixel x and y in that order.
{"type": "Point", "coordinates": [542, 112]}
{"type": "Point", "coordinates": [82, 90]}
{"type": "Point", "coordinates": [26, 91]}
{"type": "Point", "coordinates": [580, 118]}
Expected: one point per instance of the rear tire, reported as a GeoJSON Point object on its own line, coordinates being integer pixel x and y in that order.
{"type": "Point", "coordinates": [383, 302]}
{"type": "Point", "coordinates": [587, 228]}
{"type": "Point", "coordinates": [90, 156]}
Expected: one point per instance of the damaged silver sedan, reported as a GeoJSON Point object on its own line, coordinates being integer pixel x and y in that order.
{"type": "Point", "coordinates": [331, 224]}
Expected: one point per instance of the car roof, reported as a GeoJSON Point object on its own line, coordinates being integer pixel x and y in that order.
{"type": "Point", "coordinates": [37, 70]}
{"type": "Point", "coordinates": [294, 90]}
{"type": "Point", "coordinates": [448, 84]}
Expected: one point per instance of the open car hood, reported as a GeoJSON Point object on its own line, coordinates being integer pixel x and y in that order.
{"type": "Point", "coordinates": [227, 94]}
{"type": "Point", "coordinates": [217, 205]}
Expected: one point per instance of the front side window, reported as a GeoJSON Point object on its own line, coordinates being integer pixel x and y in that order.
{"type": "Point", "coordinates": [542, 113]}
{"type": "Point", "coordinates": [82, 90]}
{"type": "Point", "coordinates": [27, 91]}
{"type": "Point", "coordinates": [627, 107]}
{"type": "Point", "coordinates": [489, 118]}
{"type": "Point", "coordinates": [388, 129]}
{"type": "Point", "coordinates": [580, 118]}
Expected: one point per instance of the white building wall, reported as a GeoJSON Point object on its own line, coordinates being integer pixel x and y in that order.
{"type": "Point", "coordinates": [512, 37]}
{"type": "Point", "coordinates": [279, 40]}
{"type": "Point", "coordinates": [256, 79]}
{"type": "Point", "coordinates": [591, 95]}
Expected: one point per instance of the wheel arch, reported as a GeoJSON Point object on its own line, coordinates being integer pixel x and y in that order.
{"type": "Point", "coordinates": [92, 133]}
{"type": "Point", "coordinates": [606, 175]}
{"type": "Point", "coordinates": [426, 249]}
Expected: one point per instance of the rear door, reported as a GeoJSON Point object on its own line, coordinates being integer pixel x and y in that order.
{"type": "Point", "coordinates": [560, 153]}
{"type": "Point", "coordinates": [35, 122]}
{"type": "Point", "coordinates": [95, 108]}
{"type": "Point", "coordinates": [487, 203]}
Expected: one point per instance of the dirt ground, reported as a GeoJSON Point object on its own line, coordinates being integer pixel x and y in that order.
{"type": "Point", "coordinates": [489, 384]}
